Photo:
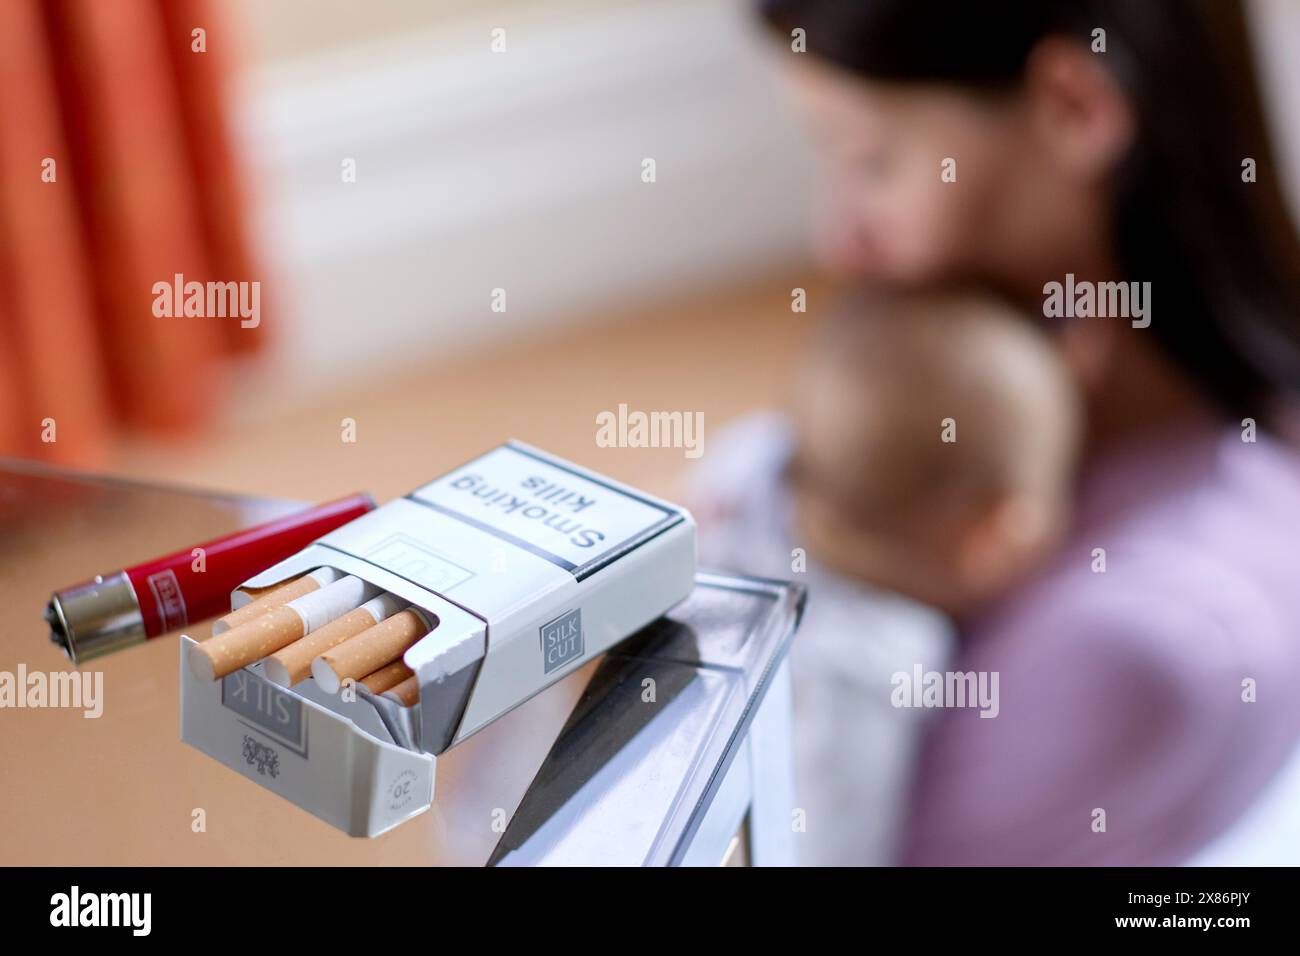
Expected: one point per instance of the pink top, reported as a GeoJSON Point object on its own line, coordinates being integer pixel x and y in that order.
{"type": "Point", "coordinates": [1123, 690]}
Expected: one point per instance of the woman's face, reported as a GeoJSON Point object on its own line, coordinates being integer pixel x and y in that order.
{"type": "Point", "coordinates": [926, 184]}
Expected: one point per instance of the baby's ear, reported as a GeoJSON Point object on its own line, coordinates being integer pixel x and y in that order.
{"type": "Point", "coordinates": [1003, 540]}
{"type": "Point", "coordinates": [1025, 521]}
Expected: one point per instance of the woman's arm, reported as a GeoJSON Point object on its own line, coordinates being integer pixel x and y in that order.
{"type": "Point", "coordinates": [1122, 736]}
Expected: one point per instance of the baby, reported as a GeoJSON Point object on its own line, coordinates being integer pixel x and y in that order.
{"type": "Point", "coordinates": [924, 468]}
{"type": "Point", "coordinates": [935, 443]}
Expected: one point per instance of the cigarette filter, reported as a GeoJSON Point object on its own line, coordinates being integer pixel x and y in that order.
{"type": "Point", "coordinates": [276, 597]}
{"type": "Point", "coordinates": [292, 664]}
{"type": "Point", "coordinates": [407, 693]}
{"type": "Point", "coordinates": [387, 677]}
{"type": "Point", "coordinates": [255, 639]}
{"type": "Point", "coordinates": [370, 650]}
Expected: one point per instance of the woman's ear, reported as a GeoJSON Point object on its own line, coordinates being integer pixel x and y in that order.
{"type": "Point", "coordinates": [1083, 119]}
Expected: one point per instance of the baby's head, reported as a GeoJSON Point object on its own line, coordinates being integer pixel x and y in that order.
{"type": "Point", "coordinates": [935, 449]}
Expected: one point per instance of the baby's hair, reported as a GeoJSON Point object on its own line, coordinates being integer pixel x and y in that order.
{"type": "Point", "coordinates": [890, 376]}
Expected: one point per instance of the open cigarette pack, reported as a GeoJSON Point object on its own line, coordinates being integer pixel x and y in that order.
{"type": "Point", "coordinates": [343, 670]}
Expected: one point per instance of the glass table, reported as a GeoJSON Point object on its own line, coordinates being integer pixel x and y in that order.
{"type": "Point", "coordinates": [674, 748]}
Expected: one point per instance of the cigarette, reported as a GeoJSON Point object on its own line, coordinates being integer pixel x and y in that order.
{"type": "Point", "coordinates": [276, 597]}
{"type": "Point", "coordinates": [370, 650]}
{"type": "Point", "coordinates": [253, 640]}
{"type": "Point", "coordinates": [386, 678]}
{"type": "Point", "coordinates": [406, 693]}
{"type": "Point", "coordinates": [292, 664]}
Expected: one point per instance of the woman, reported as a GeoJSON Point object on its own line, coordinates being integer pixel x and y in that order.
{"type": "Point", "coordinates": [1148, 673]}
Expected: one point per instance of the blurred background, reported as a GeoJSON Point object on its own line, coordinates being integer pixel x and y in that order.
{"type": "Point", "coordinates": [380, 171]}
{"type": "Point", "coordinates": [444, 206]}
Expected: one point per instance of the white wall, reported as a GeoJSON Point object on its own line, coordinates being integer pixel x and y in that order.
{"type": "Point", "coordinates": [519, 170]}
{"type": "Point", "coordinates": [522, 171]}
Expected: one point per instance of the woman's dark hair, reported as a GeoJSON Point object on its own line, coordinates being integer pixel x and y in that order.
{"type": "Point", "coordinates": [1220, 253]}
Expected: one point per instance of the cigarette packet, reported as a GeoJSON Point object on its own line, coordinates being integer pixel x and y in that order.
{"type": "Point", "coordinates": [520, 566]}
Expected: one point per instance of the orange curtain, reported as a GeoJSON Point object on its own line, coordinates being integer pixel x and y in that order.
{"type": "Point", "coordinates": [116, 172]}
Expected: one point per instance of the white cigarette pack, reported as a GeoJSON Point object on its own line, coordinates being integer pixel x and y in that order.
{"type": "Point", "coordinates": [527, 565]}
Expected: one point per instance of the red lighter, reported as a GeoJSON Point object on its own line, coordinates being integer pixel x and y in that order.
{"type": "Point", "coordinates": [116, 610]}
